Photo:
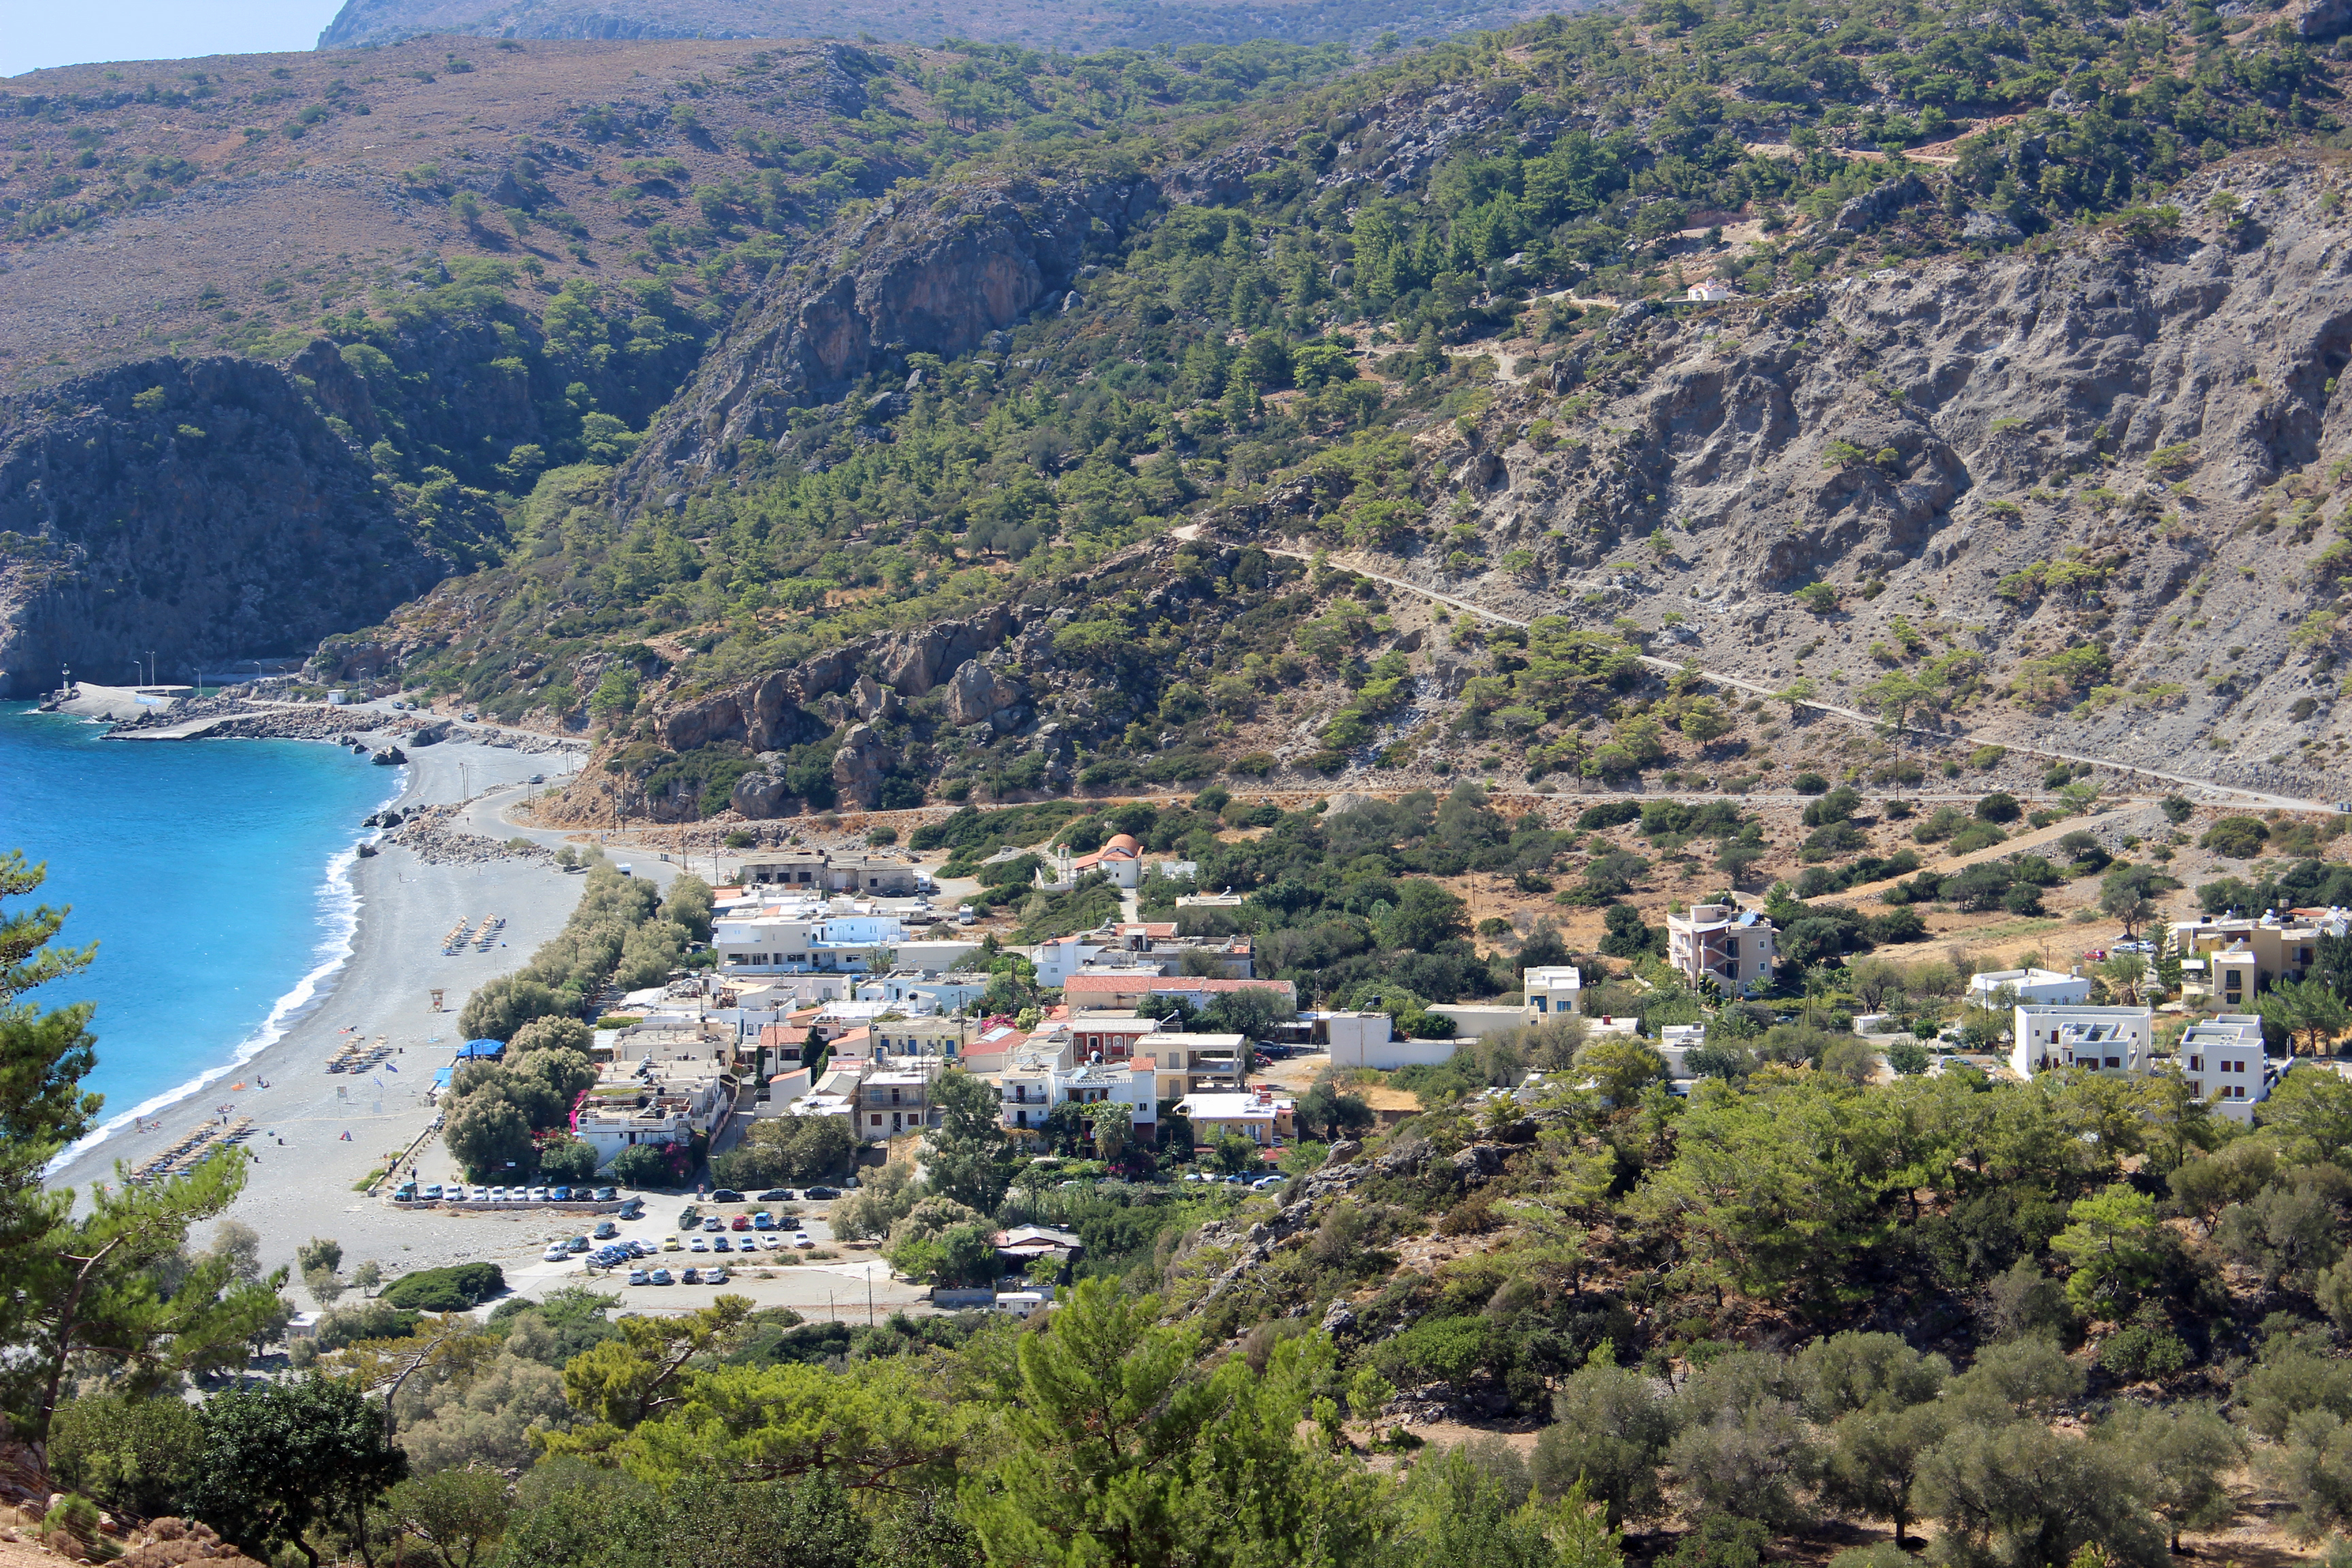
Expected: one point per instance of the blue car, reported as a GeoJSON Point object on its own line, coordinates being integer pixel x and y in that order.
{"type": "Point", "coordinates": [561, 1196]}
{"type": "Point", "coordinates": [639, 1277]}
{"type": "Point", "coordinates": [661, 1276]}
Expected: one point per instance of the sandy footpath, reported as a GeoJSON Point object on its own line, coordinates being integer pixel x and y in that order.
{"type": "Point", "coordinates": [302, 1181]}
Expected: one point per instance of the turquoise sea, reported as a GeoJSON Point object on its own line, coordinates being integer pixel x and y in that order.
{"type": "Point", "coordinates": [214, 874]}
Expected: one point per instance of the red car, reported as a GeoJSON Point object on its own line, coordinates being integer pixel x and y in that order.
{"type": "Point", "coordinates": [742, 1222]}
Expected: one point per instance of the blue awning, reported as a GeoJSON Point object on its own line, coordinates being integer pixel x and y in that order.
{"type": "Point", "coordinates": [475, 1049]}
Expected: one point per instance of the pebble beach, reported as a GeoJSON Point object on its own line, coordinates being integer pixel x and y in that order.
{"type": "Point", "coordinates": [316, 1135]}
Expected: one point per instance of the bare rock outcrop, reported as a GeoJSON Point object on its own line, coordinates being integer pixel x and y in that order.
{"type": "Point", "coordinates": [910, 277]}
{"type": "Point", "coordinates": [197, 508]}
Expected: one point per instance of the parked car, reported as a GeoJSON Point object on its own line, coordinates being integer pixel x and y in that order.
{"type": "Point", "coordinates": [722, 1244]}
{"type": "Point", "coordinates": [764, 1220]}
{"type": "Point", "coordinates": [821, 1195]}
{"type": "Point", "coordinates": [695, 1244]}
{"type": "Point", "coordinates": [776, 1196]}
{"type": "Point", "coordinates": [498, 1194]}
{"type": "Point", "coordinates": [606, 1194]}
{"type": "Point", "coordinates": [773, 1242]}
{"type": "Point", "coordinates": [481, 1194]}
{"type": "Point", "coordinates": [801, 1242]}
{"type": "Point", "coordinates": [661, 1276]}
{"type": "Point", "coordinates": [691, 1276]}
{"type": "Point", "coordinates": [742, 1222]}
{"type": "Point", "coordinates": [557, 1253]}
{"type": "Point", "coordinates": [577, 1243]}
{"type": "Point", "coordinates": [559, 1194]}
{"type": "Point", "coordinates": [432, 1193]}
{"type": "Point", "coordinates": [715, 1277]}
{"type": "Point", "coordinates": [714, 1223]}
{"type": "Point", "coordinates": [542, 1195]}
{"type": "Point", "coordinates": [726, 1195]}
{"type": "Point", "coordinates": [605, 1230]}
{"type": "Point", "coordinates": [634, 1209]}
{"type": "Point", "coordinates": [1267, 1184]}
{"type": "Point", "coordinates": [669, 1244]}
{"type": "Point", "coordinates": [639, 1277]}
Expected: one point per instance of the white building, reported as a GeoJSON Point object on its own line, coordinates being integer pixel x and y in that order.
{"type": "Point", "coordinates": [1676, 1043]}
{"type": "Point", "coordinates": [1722, 943]}
{"type": "Point", "coordinates": [1257, 1114]}
{"type": "Point", "coordinates": [661, 1104]}
{"type": "Point", "coordinates": [1370, 1040]}
{"type": "Point", "coordinates": [1030, 1089]}
{"type": "Point", "coordinates": [1192, 1064]}
{"type": "Point", "coordinates": [2039, 986]}
{"type": "Point", "coordinates": [2046, 1038]}
{"type": "Point", "coordinates": [1551, 991]}
{"type": "Point", "coordinates": [2223, 1061]}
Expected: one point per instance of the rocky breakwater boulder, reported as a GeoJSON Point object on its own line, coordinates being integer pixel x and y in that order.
{"type": "Point", "coordinates": [909, 277]}
{"type": "Point", "coordinates": [429, 834]}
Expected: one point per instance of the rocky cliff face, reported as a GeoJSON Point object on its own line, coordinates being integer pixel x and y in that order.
{"type": "Point", "coordinates": [2100, 486]}
{"type": "Point", "coordinates": [908, 279]}
{"type": "Point", "coordinates": [198, 508]}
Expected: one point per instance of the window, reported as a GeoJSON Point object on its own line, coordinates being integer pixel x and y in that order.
{"type": "Point", "coordinates": [2115, 1061]}
{"type": "Point", "coordinates": [2197, 1086]}
{"type": "Point", "coordinates": [2196, 1064]}
{"type": "Point", "coordinates": [877, 1118]}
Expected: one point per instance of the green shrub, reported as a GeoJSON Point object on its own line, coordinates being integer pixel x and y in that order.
{"type": "Point", "coordinates": [377, 1320]}
{"type": "Point", "coordinates": [2239, 838]}
{"type": "Point", "coordinates": [129, 1454]}
{"type": "Point", "coordinates": [457, 1288]}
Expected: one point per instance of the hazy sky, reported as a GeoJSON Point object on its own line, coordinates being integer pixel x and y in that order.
{"type": "Point", "coordinates": [41, 33]}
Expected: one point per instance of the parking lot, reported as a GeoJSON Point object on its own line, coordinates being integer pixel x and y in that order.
{"type": "Point", "coordinates": [821, 1279]}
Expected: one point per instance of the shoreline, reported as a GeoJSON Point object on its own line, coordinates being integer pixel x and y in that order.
{"type": "Point", "coordinates": [317, 1135]}
{"type": "Point", "coordinates": [312, 989]}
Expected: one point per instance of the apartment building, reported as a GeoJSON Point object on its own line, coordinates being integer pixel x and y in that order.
{"type": "Point", "coordinates": [809, 871]}
{"type": "Point", "coordinates": [1030, 1087]}
{"type": "Point", "coordinates": [2237, 957]}
{"type": "Point", "coordinates": [2046, 1038]}
{"type": "Point", "coordinates": [2223, 1060]}
{"type": "Point", "coordinates": [1192, 1064]}
{"type": "Point", "coordinates": [1731, 946]}
{"type": "Point", "coordinates": [1551, 991]}
{"type": "Point", "coordinates": [1107, 1033]}
{"type": "Point", "coordinates": [896, 1098]}
{"type": "Point", "coordinates": [660, 1104]}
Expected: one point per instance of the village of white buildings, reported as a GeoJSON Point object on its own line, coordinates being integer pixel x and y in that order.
{"type": "Point", "coordinates": [852, 954]}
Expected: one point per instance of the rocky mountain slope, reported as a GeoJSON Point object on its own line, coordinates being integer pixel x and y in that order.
{"type": "Point", "coordinates": [98, 557]}
{"type": "Point", "coordinates": [2087, 494]}
{"type": "Point", "coordinates": [468, 271]}
{"type": "Point", "coordinates": [1132, 24]}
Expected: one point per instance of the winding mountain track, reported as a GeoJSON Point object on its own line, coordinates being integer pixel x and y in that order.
{"type": "Point", "coordinates": [2217, 793]}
